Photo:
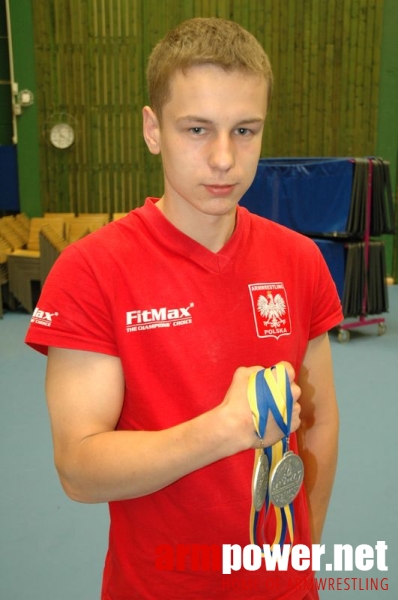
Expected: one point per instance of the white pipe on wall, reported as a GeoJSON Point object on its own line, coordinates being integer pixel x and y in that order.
{"type": "Point", "coordinates": [14, 85]}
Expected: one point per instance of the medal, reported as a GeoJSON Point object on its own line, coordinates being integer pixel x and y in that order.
{"type": "Point", "coordinates": [286, 479]}
{"type": "Point", "coordinates": [288, 473]}
{"type": "Point", "coordinates": [278, 472]}
{"type": "Point", "coordinates": [260, 481]}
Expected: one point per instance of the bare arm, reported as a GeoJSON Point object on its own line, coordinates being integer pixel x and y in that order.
{"type": "Point", "coordinates": [318, 433]}
{"type": "Point", "coordinates": [98, 464]}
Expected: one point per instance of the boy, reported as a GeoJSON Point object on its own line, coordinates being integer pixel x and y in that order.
{"type": "Point", "coordinates": [154, 318]}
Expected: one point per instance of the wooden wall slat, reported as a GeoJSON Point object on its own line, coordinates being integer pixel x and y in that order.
{"type": "Point", "coordinates": [91, 59]}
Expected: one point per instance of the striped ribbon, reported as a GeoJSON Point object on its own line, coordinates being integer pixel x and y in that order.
{"type": "Point", "coordinates": [265, 393]}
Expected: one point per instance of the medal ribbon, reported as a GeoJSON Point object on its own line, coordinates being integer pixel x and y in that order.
{"type": "Point", "coordinates": [264, 394]}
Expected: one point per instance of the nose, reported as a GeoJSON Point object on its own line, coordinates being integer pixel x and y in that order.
{"type": "Point", "coordinates": [222, 155]}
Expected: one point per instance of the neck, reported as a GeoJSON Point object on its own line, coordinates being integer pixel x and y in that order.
{"type": "Point", "coordinates": [211, 231]}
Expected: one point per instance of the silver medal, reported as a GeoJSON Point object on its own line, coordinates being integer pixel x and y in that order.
{"type": "Point", "coordinates": [286, 480]}
{"type": "Point", "coordinates": [260, 482]}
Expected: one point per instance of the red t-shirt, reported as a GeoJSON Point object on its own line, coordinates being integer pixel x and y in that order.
{"type": "Point", "coordinates": [182, 319]}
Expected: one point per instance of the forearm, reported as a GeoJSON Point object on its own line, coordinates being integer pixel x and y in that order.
{"type": "Point", "coordinates": [98, 463]}
{"type": "Point", "coordinates": [117, 465]}
{"type": "Point", "coordinates": [318, 433]}
{"type": "Point", "coordinates": [319, 452]}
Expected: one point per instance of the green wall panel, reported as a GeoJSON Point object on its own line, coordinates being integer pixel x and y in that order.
{"type": "Point", "coordinates": [333, 86]}
{"type": "Point", "coordinates": [27, 122]}
{"type": "Point", "coordinates": [91, 59]}
{"type": "Point", "coordinates": [387, 126]}
{"type": "Point", "coordinates": [5, 89]}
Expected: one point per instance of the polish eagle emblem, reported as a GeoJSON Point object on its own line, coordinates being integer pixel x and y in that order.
{"type": "Point", "coordinates": [272, 308]}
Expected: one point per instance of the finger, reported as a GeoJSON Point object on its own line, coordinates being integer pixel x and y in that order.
{"type": "Point", "coordinates": [296, 392]}
{"type": "Point", "coordinates": [273, 433]}
{"type": "Point", "coordinates": [296, 421]}
{"type": "Point", "coordinates": [255, 369]}
{"type": "Point", "coordinates": [289, 369]}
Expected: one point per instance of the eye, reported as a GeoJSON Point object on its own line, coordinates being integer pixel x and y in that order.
{"type": "Point", "coordinates": [197, 130]}
{"type": "Point", "coordinates": [243, 131]}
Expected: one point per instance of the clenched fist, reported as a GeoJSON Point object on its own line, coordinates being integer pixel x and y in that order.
{"type": "Point", "coordinates": [238, 415]}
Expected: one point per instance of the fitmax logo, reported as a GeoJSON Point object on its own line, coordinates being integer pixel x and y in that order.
{"type": "Point", "coordinates": [42, 317]}
{"type": "Point", "coordinates": [152, 318]}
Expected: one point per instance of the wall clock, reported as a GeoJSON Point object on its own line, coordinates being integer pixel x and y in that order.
{"type": "Point", "coordinates": [62, 135]}
{"type": "Point", "coordinates": [60, 130]}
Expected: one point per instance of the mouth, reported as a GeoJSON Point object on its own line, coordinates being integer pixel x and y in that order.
{"type": "Point", "coordinates": [220, 190]}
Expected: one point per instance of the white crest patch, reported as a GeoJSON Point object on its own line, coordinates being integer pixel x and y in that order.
{"type": "Point", "coordinates": [270, 309]}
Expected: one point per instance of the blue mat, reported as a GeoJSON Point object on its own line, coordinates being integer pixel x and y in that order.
{"type": "Point", "coordinates": [334, 255]}
{"type": "Point", "coordinates": [9, 197]}
{"type": "Point", "coordinates": [309, 195]}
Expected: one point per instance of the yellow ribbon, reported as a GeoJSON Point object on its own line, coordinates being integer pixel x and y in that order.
{"type": "Point", "coordinates": [284, 516]}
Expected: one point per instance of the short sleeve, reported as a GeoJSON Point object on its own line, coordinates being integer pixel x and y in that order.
{"type": "Point", "coordinates": [326, 306]}
{"type": "Point", "coordinates": [74, 310]}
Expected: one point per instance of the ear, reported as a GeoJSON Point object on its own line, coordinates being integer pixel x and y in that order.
{"type": "Point", "coordinates": [151, 130]}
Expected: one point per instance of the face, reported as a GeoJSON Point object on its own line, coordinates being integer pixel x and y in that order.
{"type": "Point", "coordinates": [209, 139]}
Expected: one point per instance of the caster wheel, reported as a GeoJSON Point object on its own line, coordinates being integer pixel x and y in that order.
{"type": "Point", "coordinates": [343, 336]}
{"type": "Point", "coordinates": [382, 328]}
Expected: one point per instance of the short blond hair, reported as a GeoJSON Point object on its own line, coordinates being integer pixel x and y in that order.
{"type": "Point", "coordinates": [202, 41]}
